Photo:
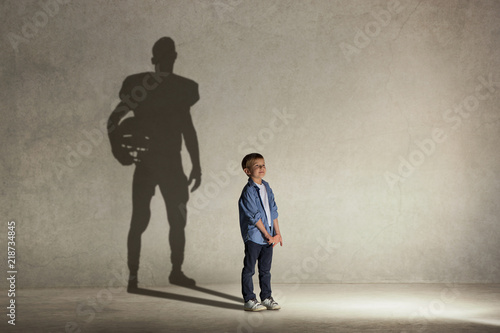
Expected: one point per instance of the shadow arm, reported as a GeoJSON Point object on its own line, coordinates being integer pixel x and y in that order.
{"type": "Point", "coordinates": [191, 141]}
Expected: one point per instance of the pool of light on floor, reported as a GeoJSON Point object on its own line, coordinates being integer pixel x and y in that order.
{"type": "Point", "coordinates": [401, 307]}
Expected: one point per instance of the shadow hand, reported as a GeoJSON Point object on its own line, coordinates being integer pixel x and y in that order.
{"type": "Point", "coordinates": [122, 155]}
{"type": "Point", "coordinates": [196, 176]}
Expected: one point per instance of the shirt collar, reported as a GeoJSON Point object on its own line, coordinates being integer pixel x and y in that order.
{"type": "Point", "coordinates": [252, 183]}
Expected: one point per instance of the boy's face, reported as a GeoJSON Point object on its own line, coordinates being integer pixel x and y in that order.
{"type": "Point", "coordinates": [257, 170]}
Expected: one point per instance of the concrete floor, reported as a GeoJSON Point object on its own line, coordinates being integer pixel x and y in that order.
{"type": "Point", "coordinates": [305, 308]}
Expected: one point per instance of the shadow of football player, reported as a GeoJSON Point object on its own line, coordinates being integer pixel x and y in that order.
{"type": "Point", "coordinates": [152, 140]}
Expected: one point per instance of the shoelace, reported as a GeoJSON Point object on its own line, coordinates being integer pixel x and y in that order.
{"type": "Point", "coordinates": [273, 302]}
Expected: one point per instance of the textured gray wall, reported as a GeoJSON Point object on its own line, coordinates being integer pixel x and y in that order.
{"type": "Point", "coordinates": [379, 122]}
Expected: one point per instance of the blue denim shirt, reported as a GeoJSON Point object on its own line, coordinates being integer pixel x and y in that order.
{"type": "Point", "coordinates": [252, 210]}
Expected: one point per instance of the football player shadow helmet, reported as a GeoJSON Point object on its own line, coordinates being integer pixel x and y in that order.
{"type": "Point", "coordinates": [128, 146]}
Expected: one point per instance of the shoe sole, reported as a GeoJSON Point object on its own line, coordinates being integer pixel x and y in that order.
{"type": "Point", "coordinates": [255, 310]}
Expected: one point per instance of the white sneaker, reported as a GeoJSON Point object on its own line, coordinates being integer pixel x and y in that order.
{"type": "Point", "coordinates": [253, 305]}
{"type": "Point", "coordinates": [271, 304]}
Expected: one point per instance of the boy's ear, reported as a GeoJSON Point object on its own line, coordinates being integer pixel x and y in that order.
{"type": "Point", "coordinates": [247, 171]}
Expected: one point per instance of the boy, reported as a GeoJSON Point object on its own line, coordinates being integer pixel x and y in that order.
{"type": "Point", "coordinates": [260, 232]}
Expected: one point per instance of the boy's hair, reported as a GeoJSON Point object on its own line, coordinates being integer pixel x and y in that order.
{"type": "Point", "coordinates": [248, 160]}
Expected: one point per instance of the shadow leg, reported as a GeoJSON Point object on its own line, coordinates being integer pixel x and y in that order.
{"type": "Point", "coordinates": [143, 188]}
{"type": "Point", "coordinates": [175, 193]}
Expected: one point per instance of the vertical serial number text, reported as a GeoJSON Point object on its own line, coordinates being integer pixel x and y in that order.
{"type": "Point", "coordinates": [11, 271]}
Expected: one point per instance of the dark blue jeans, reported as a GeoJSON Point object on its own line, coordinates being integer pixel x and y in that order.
{"type": "Point", "coordinates": [263, 254]}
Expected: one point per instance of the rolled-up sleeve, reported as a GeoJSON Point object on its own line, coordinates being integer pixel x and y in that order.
{"type": "Point", "coordinates": [249, 211]}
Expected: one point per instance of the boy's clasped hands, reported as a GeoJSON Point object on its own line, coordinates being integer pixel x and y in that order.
{"type": "Point", "coordinates": [274, 240]}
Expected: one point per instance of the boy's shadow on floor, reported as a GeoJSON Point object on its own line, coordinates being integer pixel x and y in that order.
{"type": "Point", "coordinates": [191, 299]}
